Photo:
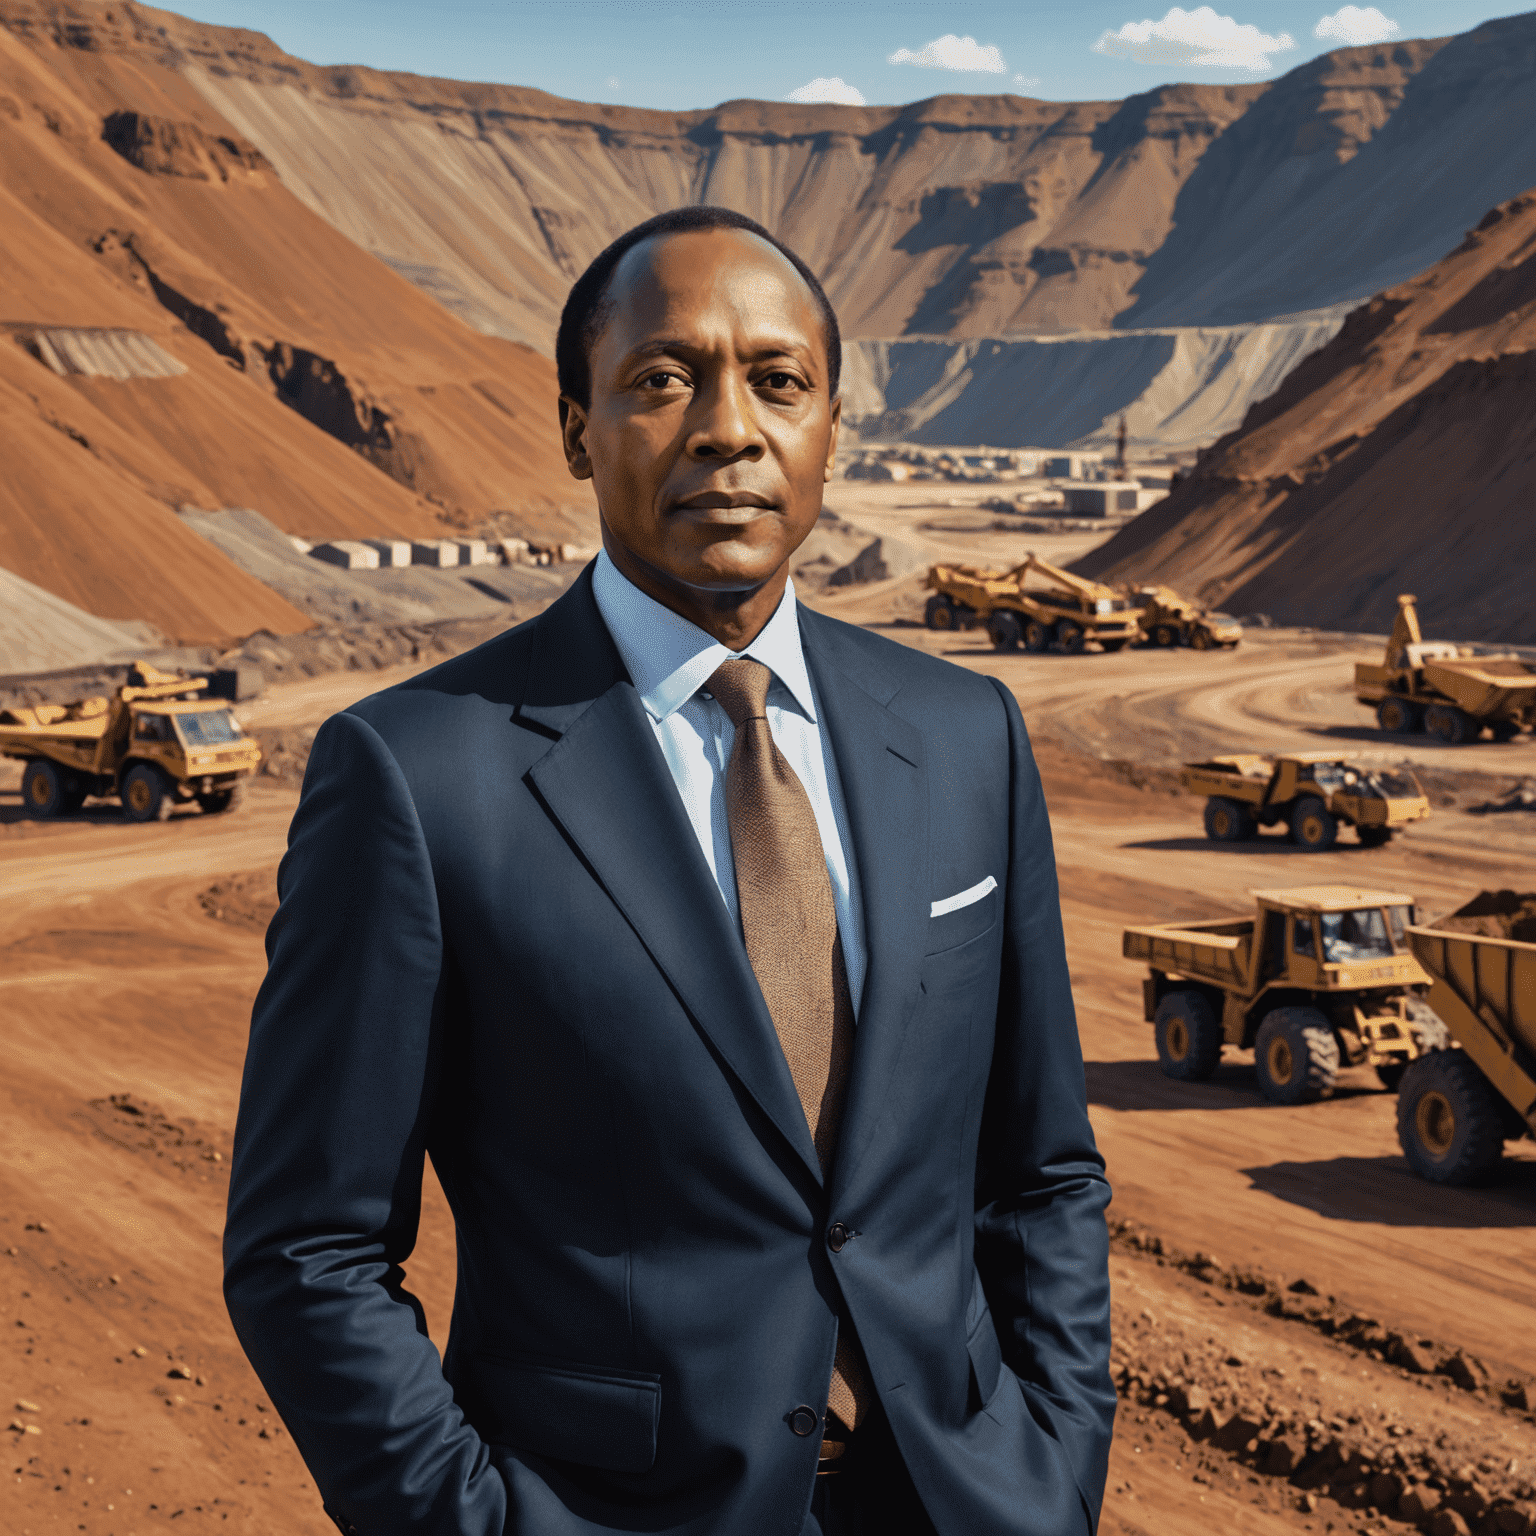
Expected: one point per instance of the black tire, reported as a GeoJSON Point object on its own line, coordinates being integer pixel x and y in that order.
{"type": "Point", "coordinates": [939, 612]}
{"type": "Point", "coordinates": [1201, 638]}
{"type": "Point", "coordinates": [1505, 730]}
{"type": "Point", "coordinates": [1228, 821]}
{"type": "Point", "coordinates": [1450, 725]}
{"type": "Point", "coordinates": [1071, 637]}
{"type": "Point", "coordinates": [1165, 636]}
{"type": "Point", "coordinates": [43, 790]}
{"type": "Point", "coordinates": [1296, 1055]}
{"type": "Point", "coordinates": [1313, 826]}
{"type": "Point", "coordinates": [218, 801]}
{"type": "Point", "coordinates": [1188, 1035]}
{"type": "Point", "coordinates": [1004, 631]}
{"type": "Point", "coordinates": [1037, 636]}
{"type": "Point", "coordinates": [1374, 837]}
{"type": "Point", "coordinates": [1449, 1123]}
{"type": "Point", "coordinates": [1400, 716]}
{"type": "Point", "coordinates": [146, 793]}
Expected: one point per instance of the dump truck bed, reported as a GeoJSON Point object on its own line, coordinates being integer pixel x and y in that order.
{"type": "Point", "coordinates": [1485, 990]}
{"type": "Point", "coordinates": [1482, 686]}
{"type": "Point", "coordinates": [1217, 951]}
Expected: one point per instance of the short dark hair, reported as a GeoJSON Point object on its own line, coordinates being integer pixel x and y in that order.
{"type": "Point", "coordinates": [586, 310]}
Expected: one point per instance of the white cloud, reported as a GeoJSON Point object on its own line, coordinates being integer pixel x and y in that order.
{"type": "Point", "coordinates": [1026, 82]}
{"type": "Point", "coordinates": [828, 88]}
{"type": "Point", "coordinates": [1356, 27]}
{"type": "Point", "coordinates": [950, 52]}
{"type": "Point", "coordinates": [612, 82]}
{"type": "Point", "coordinates": [1198, 37]}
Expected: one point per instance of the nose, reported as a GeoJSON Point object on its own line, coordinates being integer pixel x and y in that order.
{"type": "Point", "coordinates": [726, 425]}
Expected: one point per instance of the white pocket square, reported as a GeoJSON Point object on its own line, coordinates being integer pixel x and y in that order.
{"type": "Point", "coordinates": [963, 898]}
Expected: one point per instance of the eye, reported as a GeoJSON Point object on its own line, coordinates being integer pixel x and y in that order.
{"type": "Point", "coordinates": [663, 378]}
{"type": "Point", "coordinates": [779, 380]}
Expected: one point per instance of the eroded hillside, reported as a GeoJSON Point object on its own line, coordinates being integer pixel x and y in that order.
{"type": "Point", "coordinates": [178, 328]}
{"type": "Point", "coordinates": [1399, 458]}
{"type": "Point", "coordinates": [961, 216]}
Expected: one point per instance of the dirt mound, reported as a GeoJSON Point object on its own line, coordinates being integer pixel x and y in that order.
{"type": "Point", "coordinates": [1399, 458]}
{"type": "Point", "coordinates": [40, 632]}
{"type": "Point", "coordinates": [1496, 915]}
{"type": "Point", "coordinates": [302, 376]}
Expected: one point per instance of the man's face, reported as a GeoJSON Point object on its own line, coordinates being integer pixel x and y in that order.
{"type": "Point", "coordinates": [710, 431]}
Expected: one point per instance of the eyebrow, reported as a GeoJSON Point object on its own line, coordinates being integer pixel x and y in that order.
{"type": "Point", "coordinates": [663, 346]}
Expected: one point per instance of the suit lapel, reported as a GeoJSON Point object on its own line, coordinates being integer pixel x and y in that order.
{"type": "Point", "coordinates": [879, 761]}
{"type": "Point", "coordinates": [607, 784]}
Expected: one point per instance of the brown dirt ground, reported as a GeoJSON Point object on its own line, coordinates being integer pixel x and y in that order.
{"type": "Point", "coordinates": [129, 956]}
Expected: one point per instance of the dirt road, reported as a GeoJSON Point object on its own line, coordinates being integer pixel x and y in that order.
{"type": "Point", "coordinates": [117, 979]}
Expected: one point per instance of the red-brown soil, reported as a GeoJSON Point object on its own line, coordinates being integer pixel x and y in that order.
{"type": "Point", "coordinates": [1261, 1255]}
{"type": "Point", "coordinates": [1399, 458]}
{"type": "Point", "coordinates": [321, 388]}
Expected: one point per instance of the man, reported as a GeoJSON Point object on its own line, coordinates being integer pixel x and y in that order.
{"type": "Point", "coordinates": [711, 948]}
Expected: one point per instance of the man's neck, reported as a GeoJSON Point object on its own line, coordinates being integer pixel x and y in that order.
{"type": "Point", "coordinates": [734, 617]}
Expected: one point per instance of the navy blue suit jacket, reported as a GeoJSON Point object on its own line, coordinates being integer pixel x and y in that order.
{"type": "Point", "coordinates": [499, 945]}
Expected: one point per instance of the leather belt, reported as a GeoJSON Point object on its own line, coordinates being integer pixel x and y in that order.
{"type": "Point", "coordinates": [831, 1452]}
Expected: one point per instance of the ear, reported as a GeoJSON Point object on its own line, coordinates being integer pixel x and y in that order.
{"type": "Point", "coordinates": [573, 438]}
{"type": "Point", "coordinates": [837, 421]}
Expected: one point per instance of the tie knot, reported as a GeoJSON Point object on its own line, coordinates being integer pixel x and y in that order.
{"type": "Point", "coordinates": [741, 689]}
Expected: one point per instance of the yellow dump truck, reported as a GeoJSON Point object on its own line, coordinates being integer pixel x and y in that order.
{"type": "Point", "coordinates": [1435, 686]}
{"type": "Point", "coordinates": [1456, 1108]}
{"type": "Point", "coordinates": [155, 745]}
{"type": "Point", "coordinates": [1321, 977]}
{"type": "Point", "coordinates": [1057, 609]}
{"type": "Point", "coordinates": [1311, 794]}
{"type": "Point", "coordinates": [1168, 620]}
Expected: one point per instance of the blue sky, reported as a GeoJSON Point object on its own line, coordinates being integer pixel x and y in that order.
{"type": "Point", "coordinates": [665, 53]}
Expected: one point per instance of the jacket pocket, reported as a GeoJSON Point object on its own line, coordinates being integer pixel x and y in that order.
{"type": "Point", "coordinates": [953, 929]}
{"type": "Point", "coordinates": [577, 1413]}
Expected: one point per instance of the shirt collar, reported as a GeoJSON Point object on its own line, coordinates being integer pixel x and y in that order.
{"type": "Point", "coordinates": [669, 659]}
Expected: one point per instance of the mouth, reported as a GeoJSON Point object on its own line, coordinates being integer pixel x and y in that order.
{"type": "Point", "coordinates": [725, 506]}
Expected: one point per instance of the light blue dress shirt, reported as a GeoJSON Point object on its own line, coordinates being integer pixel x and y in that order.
{"type": "Point", "coordinates": [669, 661]}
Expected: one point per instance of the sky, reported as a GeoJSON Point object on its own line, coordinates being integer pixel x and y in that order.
{"type": "Point", "coordinates": [679, 54]}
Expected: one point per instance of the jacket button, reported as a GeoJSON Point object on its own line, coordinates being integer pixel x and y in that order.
{"type": "Point", "coordinates": [838, 1236]}
{"type": "Point", "coordinates": [803, 1420]}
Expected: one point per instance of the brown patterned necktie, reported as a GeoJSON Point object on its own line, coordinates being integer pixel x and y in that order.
{"type": "Point", "coordinates": [789, 922]}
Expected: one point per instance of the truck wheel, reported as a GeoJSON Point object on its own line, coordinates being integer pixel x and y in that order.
{"type": "Point", "coordinates": [217, 801]}
{"type": "Point", "coordinates": [1070, 637]}
{"type": "Point", "coordinates": [42, 788]}
{"type": "Point", "coordinates": [939, 612]}
{"type": "Point", "coordinates": [1200, 638]}
{"type": "Point", "coordinates": [1296, 1055]}
{"type": "Point", "coordinates": [1448, 1119]}
{"type": "Point", "coordinates": [146, 795]}
{"type": "Point", "coordinates": [1188, 1036]}
{"type": "Point", "coordinates": [1505, 730]}
{"type": "Point", "coordinates": [1374, 837]}
{"type": "Point", "coordinates": [1165, 636]}
{"type": "Point", "coordinates": [1399, 716]}
{"type": "Point", "coordinates": [1003, 628]}
{"type": "Point", "coordinates": [1037, 636]}
{"type": "Point", "coordinates": [1228, 821]}
{"type": "Point", "coordinates": [1313, 825]}
{"type": "Point", "coordinates": [1450, 724]}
